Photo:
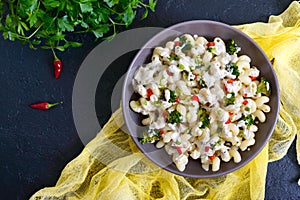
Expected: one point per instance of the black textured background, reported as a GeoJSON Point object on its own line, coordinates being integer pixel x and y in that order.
{"type": "Point", "coordinates": [36, 145]}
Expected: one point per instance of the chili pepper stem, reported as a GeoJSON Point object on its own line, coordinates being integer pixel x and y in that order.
{"type": "Point", "coordinates": [50, 105]}
{"type": "Point", "coordinates": [54, 54]}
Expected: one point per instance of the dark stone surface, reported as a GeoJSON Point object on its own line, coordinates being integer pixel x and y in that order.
{"type": "Point", "coordinates": [36, 145]}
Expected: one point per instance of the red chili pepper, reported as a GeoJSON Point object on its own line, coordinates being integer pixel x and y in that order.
{"type": "Point", "coordinates": [211, 157]}
{"type": "Point", "coordinates": [245, 102]}
{"type": "Point", "coordinates": [176, 43]}
{"type": "Point", "coordinates": [210, 44]}
{"type": "Point", "coordinates": [57, 65]}
{"type": "Point", "coordinates": [230, 81]}
{"type": "Point", "coordinates": [195, 98]}
{"type": "Point", "coordinates": [252, 78]}
{"type": "Point", "coordinates": [149, 92]}
{"type": "Point", "coordinates": [44, 105]}
{"type": "Point", "coordinates": [228, 121]}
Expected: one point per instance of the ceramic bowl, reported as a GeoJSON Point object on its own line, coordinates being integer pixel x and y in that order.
{"type": "Point", "coordinates": [210, 30]}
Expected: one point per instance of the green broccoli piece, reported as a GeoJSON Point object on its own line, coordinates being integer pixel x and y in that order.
{"type": "Point", "coordinates": [248, 120]}
{"type": "Point", "coordinates": [202, 83]}
{"type": "Point", "coordinates": [173, 56]}
{"type": "Point", "coordinates": [229, 100]}
{"type": "Point", "coordinates": [264, 87]}
{"type": "Point", "coordinates": [172, 97]}
{"type": "Point", "coordinates": [182, 40]}
{"type": "Point", "coordinates": [232, 47]}
{"type": "Point", "coordinates": [175, 117]}
{"type": "Point", "coordinates": [232, 68]}
{"type": "Point", "coordinates": [204, 118]}
{"type": "Point", "coordinates": [150, 139]}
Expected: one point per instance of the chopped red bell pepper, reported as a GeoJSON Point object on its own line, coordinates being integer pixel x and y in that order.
{"type": "Point", "coordinates": [252, 78]}
{"type": "Point", "coordinates": [207, 148]}
{"type": "Point", "coordinates": [176, 43]}
{"type": "Point", "coordinates": [179, 150]}
{"type": "Point", "coordinates": [245, 102]}
{"type": "Point", "coordinates": [195, 98]}
{"type": "Point", "coordinates": [211, 157]}
{"type": "Point", "coordinates": [228, 121]}
{"type": "Point", "coordinates": [149, 92]}
{"type": "Point", "coordinates": [210, 44]}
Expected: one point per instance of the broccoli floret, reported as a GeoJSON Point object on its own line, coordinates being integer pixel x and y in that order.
{"type": "Point", "coordinates": [232, 47]}
{"type": "Point", "coordinates": [204, 118]}
{"type": "Point", "coordinates": [212, 50]}
{"type": "Point", "coordinates": [202, 83]}
{"type": "Point", "coordinates": [173, 96]}
{"type": "Point", "coordinates": [229, 100]}
{"type": "Point", "coordinates": [186, 47]}
{"type": "Point", "coordinates": [264, 87]}
{"type": "Point", "coordinates": [248, 120]}
{"type": "Point", "coordinates": [150, 139]}
{"type": "Point", "coordinates": [182, 40]}
{"type": "Point", "coordinates": [232, 68]}
{"type": "Point", "coordinates": [175, 117]}
{"type": "Point", "coordinates": [173, 56]}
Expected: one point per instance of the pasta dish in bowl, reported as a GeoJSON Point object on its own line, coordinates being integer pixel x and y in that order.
{"type": "Point", "coordinates": [200, 99]}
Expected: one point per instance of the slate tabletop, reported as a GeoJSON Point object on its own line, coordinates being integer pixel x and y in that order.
{"type": "Point", "coordinates": [36, 145]}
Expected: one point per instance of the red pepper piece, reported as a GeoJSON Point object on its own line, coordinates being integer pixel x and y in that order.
{"type": "Point", "coordinates": [44, 105]}
{"type": "Point", "coordinates": [230, 81]}
{"type": "Point", "coordinates": [228, 121]}
{"type": "Point", "coordinates": [169, 73]}
{"type": "Point", "coordinates": [179, 150]}
{"type": "Point", "coordinates": [230, 113]}
{"type": "Point", "coordinates": [161, 132]}
{"type": "Point", "coordinates": [252, 78]}
{"type": "Point", "coordinates": [176, 43]}
{"type": "Point", "coordinates": [211, 157]}
{"type": "Point", "coordinates": [207, 148]}
{"type": "Point", "coordinates": [195, 76]}
{"type": "Point", "coordinates": [177, 100]}
{"type": "Point", "coordinates": [245, 95]}
{"type": "Point", "coordinates": [149, 92]}
{"type": "Point", "coordinates": [245, 102]}
{"type": "Point", "coordinates": [225, 88]}
{"type": "Point", "coordinates": [57, 65]}
{"type": "Point", "coordinates": [195, 98]}
{"type": "Point", "coordinates": [210, 44]}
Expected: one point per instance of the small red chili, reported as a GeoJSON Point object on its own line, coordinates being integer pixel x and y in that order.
{"type": "Point", "coordinates": [210, 44]}
{"type": "Point", "coordinates": [57, 65]}
{"type": "Point", "coordinates": [44, 105]}
{"type": "Point", "coordinates": [149, 92]}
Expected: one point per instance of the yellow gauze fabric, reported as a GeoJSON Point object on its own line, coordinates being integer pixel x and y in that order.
{"type": "Point", "coordinates": [111, 167]}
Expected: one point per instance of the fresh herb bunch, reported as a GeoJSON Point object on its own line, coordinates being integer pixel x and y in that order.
{"type": "Point", "coordinates": [46, 23]}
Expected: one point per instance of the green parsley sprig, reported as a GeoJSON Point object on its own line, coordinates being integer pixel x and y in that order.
{"type": "Point", "coordinates": [46, 23]}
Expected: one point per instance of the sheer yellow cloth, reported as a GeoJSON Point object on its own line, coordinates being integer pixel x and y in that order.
{"type": "Point", "coordinates": [111, 167]}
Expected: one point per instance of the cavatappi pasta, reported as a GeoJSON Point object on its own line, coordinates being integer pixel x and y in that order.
{"type": "Point", "coordinates": [202, 100]}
